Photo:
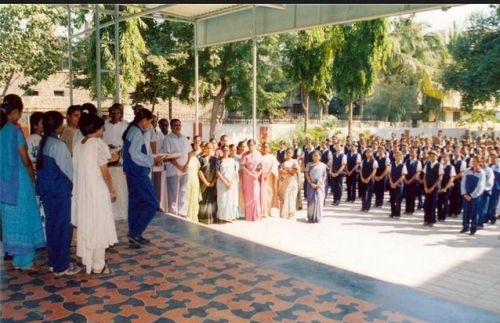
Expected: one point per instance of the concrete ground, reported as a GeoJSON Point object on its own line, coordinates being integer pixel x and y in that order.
{"type": "Point", "coordinates": [437, 260]}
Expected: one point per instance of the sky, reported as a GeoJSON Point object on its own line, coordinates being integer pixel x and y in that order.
{"type": "Point", "coordinates": [439, 20]}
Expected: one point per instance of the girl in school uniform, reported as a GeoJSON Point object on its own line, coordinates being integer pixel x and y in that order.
{"type": "Point", "coordinates": [137, 163]}
{"type": "Point", "coordinates": [54, 184]}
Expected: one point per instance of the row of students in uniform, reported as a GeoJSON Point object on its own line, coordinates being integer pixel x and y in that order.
{"type": "Point", "coordinates": [417, 173]}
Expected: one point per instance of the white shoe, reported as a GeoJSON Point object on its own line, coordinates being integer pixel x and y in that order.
{"type": "Point", "coordinates": [72, 270]}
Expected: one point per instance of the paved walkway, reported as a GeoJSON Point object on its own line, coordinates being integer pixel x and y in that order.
{"type": "Point", "coordinates": [438, 260]}
{"type": "Point", "coordinates": [195, 273]}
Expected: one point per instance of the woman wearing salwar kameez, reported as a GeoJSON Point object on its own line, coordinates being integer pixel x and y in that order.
{"type": "Point", "coordinates": [227, 187]}
{"type": "Point", "coordinates": [251, 165]}
{"type": "Point", "coordinates": [93, 192]}
{"type": "Point", "coordinates": [22, 230]}
{"type": "Point", "coordinates": [316, 173]}
{"type": "Point", "coordinates": [137, 163]}
{"type": "Point", "coordinates": [193, 186]}
{"type": "Point", "coordinates": [288, 185]}
{"type": "Point", "coordinates": [208, 178]}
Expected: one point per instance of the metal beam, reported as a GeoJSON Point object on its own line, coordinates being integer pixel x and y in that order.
{"type": "Point", "coordinates": [70, 57]}
{"type": "Point", "coordinates": [220, 29]}
{"type": "Point", "coordinates": [98, 58]}
{"type": "Point", "coordinates": [125, 18]}
{"type": "Point", "coordinates": [117, 53]}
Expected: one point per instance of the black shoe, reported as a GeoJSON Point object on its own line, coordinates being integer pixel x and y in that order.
{"type": "Point", "coordinates": [472, 232]}
{"type": "Point", "coordinates": [430, 224]}
{"type": "Point", "coordinates": [134, 242]}
{"type": "Point", "coordinates": [479, 227]}
{"type": "Point", "coordinates": [464, 231]}
{"type": "Point", "coordinates": [143, 240]}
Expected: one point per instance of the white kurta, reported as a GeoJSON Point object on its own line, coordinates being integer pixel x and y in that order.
{"type": "Point", "coordinates": [91, 207]}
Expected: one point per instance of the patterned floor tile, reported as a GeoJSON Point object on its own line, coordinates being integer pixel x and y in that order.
{"type": "Point", "coordinates": [175, 280]}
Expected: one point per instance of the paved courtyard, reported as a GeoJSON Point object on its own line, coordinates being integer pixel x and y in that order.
{"type": "Point", "coordinates": [352, 267]}
{"type": "Point", "coordinates": [438, 260]}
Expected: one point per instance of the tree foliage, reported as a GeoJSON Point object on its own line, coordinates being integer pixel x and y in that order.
{"type": "Point", "coordinates": [308, 56]}
{"type": "Point", "coordinates": [29, 44]}
{"type": "Point", "coordinates": [475, 71]}
{"type": "Point", "coordinates": [132, 48]}
{"type": "Point", "coordinates": [169, 64]}
{"type": "Point", "coordinates": [358, 60]}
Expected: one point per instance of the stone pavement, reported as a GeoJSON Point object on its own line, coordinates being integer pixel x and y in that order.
{"type": "Point", "coordinates": [437, 260]}
{"type": "Point", "coordinates": [352, 267]}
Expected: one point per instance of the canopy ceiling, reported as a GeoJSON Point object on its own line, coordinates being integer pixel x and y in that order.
{"type": "Point", "coordinates": [224, 23]}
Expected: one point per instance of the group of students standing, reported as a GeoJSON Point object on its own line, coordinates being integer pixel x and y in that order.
{"type": "Point", "coordinates": [67, 168]}
{"type": "Point", "coordinates": [444, 177]}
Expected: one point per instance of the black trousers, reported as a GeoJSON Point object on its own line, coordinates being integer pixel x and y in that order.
{"type": "Point", "coordinates": [456, 199]}
{"type": "Point", "coordinates": [410, 195]}
{"type": "Point", "coordinates": [420, 195]}
{"type": "Point", "coordinates": [430, 205]}
{"type": "Point", "coordinates": [366, 194]}
{"type": "Point", "coordinates": [351, 182]}
{"type": "Point", "coordinates": [379, 191]}
{"type": "Point", "coordinates": [337, 188]}
{"type": "Point", "coordinates": [443, 205]}
{"type": "Point", "coordinates": [396, 196]}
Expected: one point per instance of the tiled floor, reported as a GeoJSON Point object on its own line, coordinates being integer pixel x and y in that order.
{"type": "Point", "coordinates": [194, 274]}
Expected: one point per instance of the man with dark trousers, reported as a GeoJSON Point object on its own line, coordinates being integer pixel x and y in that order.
{"type": "Point", "coordinates": [456, 197]}
{"type": "Point", "coordinates": [381, 175]}
{"type": "Point", "coordinates": [472, 188]}
{"type": "Point", "coordinates": [353, 160]}
{"type": "Point", "coordinates": [326, 157]}
{"type": "Point", "coordinates": [367, 173]}
{"type": "Point", "coordinates": [397, 173]}
{"type": "Point", "coordinates": [433, 174]}
{"type": "Point", "coordinates": [336, 173]}
{"type": "Point", "coordinates": [411, 180]}
{"type": "Point", "coordinates": [446, 184]}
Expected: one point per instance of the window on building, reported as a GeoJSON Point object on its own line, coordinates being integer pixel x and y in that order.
{"type": "Point", "coordinates": [59, 93]}
{"type": "Point", "coordinates": [31, 93]}
{"type": "Point", "coordinates": [456, 116]}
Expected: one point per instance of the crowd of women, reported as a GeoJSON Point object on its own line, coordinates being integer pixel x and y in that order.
{"type": "Point", "coordinates": [70, 168]}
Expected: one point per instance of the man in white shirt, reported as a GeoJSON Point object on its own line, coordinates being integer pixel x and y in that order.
{"type": "Point", "coordinates": [176, 168]}
{"type": "Point", "coordinates": [433, 175]}
{"type": "Point", "coordinates": [114, 127]}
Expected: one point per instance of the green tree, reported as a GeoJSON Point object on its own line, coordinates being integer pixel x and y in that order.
{"type": "Point", "coordinates": [358, 60]}
{"type": "Point", "coordinates": [29, 44]}
{"type": "Point", "coordinates": [475, 71]}
{"type": "Point", "coordinates": [132, 48]}
{"type": "Point", "coordinates": [308, 58]}
{"type": "Point", "coordinates": [169, 65]}
{"type": "Point", "coordinates": [393, 102]}
{"type": "Point", "coordinates": [226, 78]}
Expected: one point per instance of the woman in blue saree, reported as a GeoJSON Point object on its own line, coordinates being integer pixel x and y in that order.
{"type": "Point", "coordinates": [22, 229]}
{"type": "Point", "coordinates": [316, 173]}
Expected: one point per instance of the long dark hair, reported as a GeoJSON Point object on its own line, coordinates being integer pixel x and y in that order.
{"type": "Point", "coordinates": [140, 115]}
{"type": "Point", "coordinates": [51, 121]}
{"type": "Point", "coordinates": [89, 123]}
{"type": "Point", "coordinates": [35, 118]}
{"type": "Point", "coordinates": [10, 103]}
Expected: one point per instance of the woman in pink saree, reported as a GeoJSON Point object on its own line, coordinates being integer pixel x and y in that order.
{"type": "Point", "coordinates": [251, 164]}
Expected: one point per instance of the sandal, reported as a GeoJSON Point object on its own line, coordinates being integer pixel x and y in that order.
{"type": "Point", "coordinates": [104, 271]}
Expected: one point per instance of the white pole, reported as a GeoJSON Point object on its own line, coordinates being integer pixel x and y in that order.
{"type": "Point", "coordinates": [196, 75]}
{"type": "Point", "coordinates": [254, 86]}
{"type": "Point", "coordinates": [117, 54]}
{"type": "Point", "coordinates": [70, 57]}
